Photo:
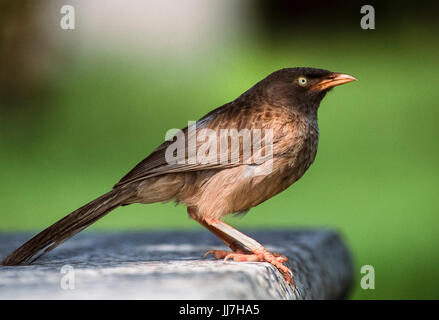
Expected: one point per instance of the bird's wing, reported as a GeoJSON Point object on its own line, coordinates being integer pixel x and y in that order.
{"type": "Point", "coordinates": [229, 116]}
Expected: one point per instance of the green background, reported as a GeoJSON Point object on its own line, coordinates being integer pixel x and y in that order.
{"type": "Point", "coordinates": [375, 178]}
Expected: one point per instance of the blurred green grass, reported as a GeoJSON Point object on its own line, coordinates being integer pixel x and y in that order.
{"type": "Point", "coordinates": [375, 178]}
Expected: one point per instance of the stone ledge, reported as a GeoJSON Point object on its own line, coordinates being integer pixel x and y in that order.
{"type": "Point", "coordinates": [168, 265]}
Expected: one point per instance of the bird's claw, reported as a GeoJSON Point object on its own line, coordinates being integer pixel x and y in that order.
{"type": "Point", "coordinates": [218, 254]}
{"type": "Point", "coordinates": [208, 252]}
{"type": "Point", "coordinates": [275, 259]}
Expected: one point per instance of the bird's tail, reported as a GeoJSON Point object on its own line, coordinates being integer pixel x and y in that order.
{"type": "Point", "coordinates": [68, 226]}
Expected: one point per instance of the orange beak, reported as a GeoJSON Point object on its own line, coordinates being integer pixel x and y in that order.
{"type": "Point", "coordinates": [333, 80]}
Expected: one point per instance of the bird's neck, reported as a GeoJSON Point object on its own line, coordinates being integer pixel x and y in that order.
{"type": "Point", "coordinates": [307, 114]}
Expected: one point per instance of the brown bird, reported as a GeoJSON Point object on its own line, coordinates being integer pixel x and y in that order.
{"type": "Point", "coordinates": [232, 159]}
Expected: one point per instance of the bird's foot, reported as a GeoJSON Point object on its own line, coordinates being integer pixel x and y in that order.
{"type": "Point", "coordinates": [260, 255]}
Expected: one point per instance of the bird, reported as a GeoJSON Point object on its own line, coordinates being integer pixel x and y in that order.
{"type": "Point", "coordinates": [213, 176]}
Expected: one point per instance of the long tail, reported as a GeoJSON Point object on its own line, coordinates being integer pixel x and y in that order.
{"type": "Point", "coordinates": [68, 226]}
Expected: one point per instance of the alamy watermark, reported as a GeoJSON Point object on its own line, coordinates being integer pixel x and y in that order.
{"type": "Point", "coordinates": [67, 281]}
{"type": "Point", "coordinates": [368, 280]}
{"type": "Point", "coordinates": [67, 21]}
{"type": "Point", "coordinates": [221, 147]}
{"type": "Point", "coordinates": [368, 20]}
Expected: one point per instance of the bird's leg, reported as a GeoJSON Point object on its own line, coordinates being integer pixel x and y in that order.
{"type": "Point", "coordinates": [233, 244]}
{"type": "Point", "coordinates": [238, 250]}
{"type": "Point", "coordinates": [258, 253]}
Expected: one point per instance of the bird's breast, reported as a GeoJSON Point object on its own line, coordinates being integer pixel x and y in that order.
{"type": "Point", "coordinates": [302, 151]}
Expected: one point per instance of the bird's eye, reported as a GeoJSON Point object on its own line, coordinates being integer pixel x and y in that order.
{"type": "Point", "coordinates": [302, 81]}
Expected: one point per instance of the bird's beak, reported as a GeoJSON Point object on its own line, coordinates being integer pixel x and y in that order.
{"type": "Point", "coordinates": [333, 80]}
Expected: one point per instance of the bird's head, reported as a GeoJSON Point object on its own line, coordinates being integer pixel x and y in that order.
{"type": "Point", "coordinates": [301, 88]}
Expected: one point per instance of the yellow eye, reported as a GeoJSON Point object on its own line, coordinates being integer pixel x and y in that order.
{"type": "Point", "coordinates": [302, 81]}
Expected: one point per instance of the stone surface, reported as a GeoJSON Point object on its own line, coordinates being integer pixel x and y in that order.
{"type": "Point", "coordinates": [169, 265]}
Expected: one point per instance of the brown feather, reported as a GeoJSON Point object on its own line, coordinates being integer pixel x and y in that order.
{"type": "Point", "coordinates": [67, 227]}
